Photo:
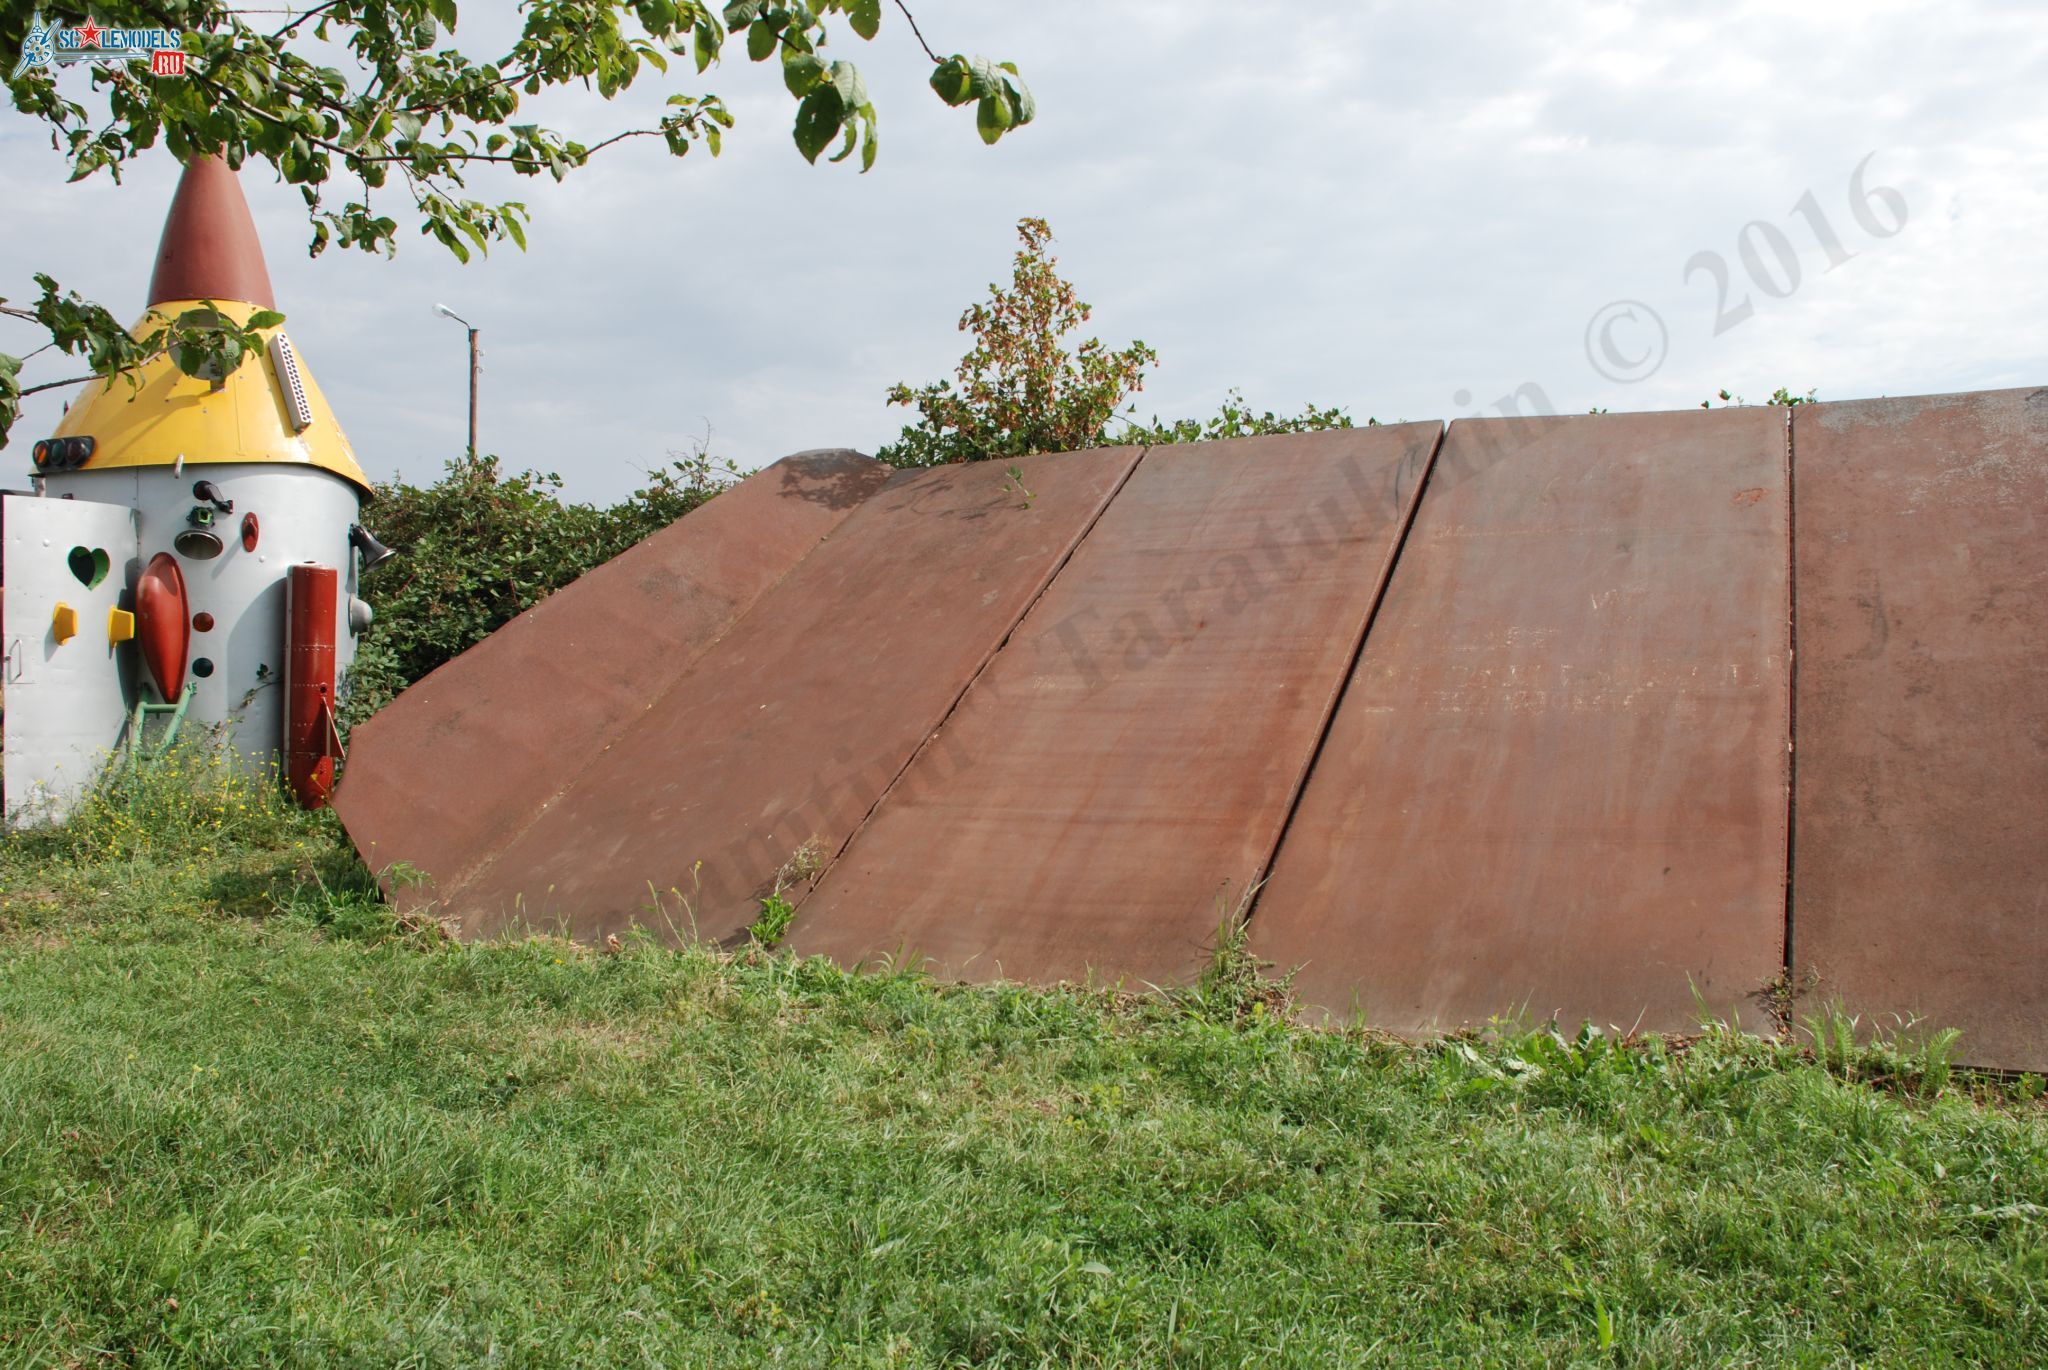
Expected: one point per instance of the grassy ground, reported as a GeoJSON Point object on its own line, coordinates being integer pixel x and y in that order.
{"type": "Point", "coordinates": [245, 1119]}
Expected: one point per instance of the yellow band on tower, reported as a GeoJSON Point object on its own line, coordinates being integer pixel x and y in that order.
{"type": "Point", "coordinates": [247, 417]}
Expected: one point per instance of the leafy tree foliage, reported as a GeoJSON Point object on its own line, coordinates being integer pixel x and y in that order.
{"type": "Point", "coordinates": [1019, 390]}
{"type": "Point", "coordinates": [408, 117]}
{"type": "Point", "coordinates": [1236, 419]}
{"type": "Point", "coordinates": [482, 546]}
{"type": "Point", "coordinates": [202, 341]}
{"type": "Point", "coordinates": [1783, 396]}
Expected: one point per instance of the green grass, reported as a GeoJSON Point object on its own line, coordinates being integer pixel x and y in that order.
{"type": "Point", "coordinates": [247, 1119]}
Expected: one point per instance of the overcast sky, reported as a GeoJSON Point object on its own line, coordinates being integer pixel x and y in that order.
{"type": "Point", "coordinates": [1409, 210]}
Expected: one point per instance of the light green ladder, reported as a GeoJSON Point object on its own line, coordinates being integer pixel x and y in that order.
{"type": "Point", "coordinates": [138, 723]}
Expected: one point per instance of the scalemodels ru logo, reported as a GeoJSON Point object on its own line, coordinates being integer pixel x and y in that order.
{"type": "Point", "coordinates": [45, 46]}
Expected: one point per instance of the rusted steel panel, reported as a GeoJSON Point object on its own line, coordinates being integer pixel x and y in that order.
{"type": "Point", "coordinates": [1110, 787]}
{"type": "Point", "coordinates": [790, 727]}
{"type": "Point", "coordinates": [1557, 781]}
{"type": "Point", "coordinates": [1920, 851]}
{"type": "Point", "coordinates": [452, 767]}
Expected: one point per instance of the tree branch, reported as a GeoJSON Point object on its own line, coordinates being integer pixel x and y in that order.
{"type": "Point", "coordinates": [919, 32]}
{"type": "Point", "coordinates": [294, 24]}
{"type": "Point", "coordinates": [52, 385]}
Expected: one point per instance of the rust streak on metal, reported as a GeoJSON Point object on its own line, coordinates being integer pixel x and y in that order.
{"type": "Point", "coordinates": [1556, 782]}
{"type": "Point", "coordinates": [1106, 793]}
{"type": "Point", "coordinates": [1922, 804]}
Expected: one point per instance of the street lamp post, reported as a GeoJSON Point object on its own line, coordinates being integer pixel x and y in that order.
{"type": "Point", "coordinates": [474, 370]}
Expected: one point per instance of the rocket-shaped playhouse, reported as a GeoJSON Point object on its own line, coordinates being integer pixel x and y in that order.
{"type": "Point", "coordinates": [190, 554]}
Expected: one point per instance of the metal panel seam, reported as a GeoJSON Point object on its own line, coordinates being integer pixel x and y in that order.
{"type": "Point", "coordinates": [1336, 699]}
{"type": "Point", "coordinates": [1791, 683]}
{"type": "Point", "coordinates": [932, 733]}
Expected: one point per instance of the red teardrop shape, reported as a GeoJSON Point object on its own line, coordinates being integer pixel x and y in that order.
{"type": "Point", "coordinates": [163, 625]}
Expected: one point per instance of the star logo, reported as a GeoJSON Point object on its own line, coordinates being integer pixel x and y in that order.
{"type": "Point", "coordinates": [89, 36]}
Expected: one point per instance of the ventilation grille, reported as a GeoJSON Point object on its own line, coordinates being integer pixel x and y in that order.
{"type": "Point", "coordinates": [286, 362]}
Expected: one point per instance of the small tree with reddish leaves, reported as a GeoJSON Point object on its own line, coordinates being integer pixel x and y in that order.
{"type": "Point", "coordinates": [1019, 390]}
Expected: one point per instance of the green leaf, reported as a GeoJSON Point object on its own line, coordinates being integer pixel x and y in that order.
{"type": "Point", "coordinates": [985, 76]}
{"type": "Point", "coordinates": [802, 71]}
{"type": "Point", "coordinates": [853, 92]}
{"type": "Point", "coordinates": [448, 239]}
{"type": "Point", "coordinates": [865, 16]}
{"type": "Point", "coordinates": [760, 41]}
{"type": "Point", "coordinates": [263, 318]}
{"type": "Point", "coordinates": [10, 394]}
{"type": "Point", "coordinates": [992, 117]}
{"type": "Point", "coordinates": [707, 42]}
{"type": "Point", "coordinates": [953, 81]}
{"type": "Point", "coordinates": [656, 16]}
{"type": "Point", "coordinates": [818, 120]}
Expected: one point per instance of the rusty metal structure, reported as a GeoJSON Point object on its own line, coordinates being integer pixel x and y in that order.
{"type": "Point", "coordinates": [1110, 789]}
{"type": "Point", "coordinates": [1608, 717]}
{"type": "Point", "coordinates": [1557, 783]}
{"type": "Point", "coordinates": [479, 747]}
{"type": "Point", "coordinates": [1920, 851]}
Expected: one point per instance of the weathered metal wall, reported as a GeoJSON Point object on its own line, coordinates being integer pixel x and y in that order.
{"type": "Point", "coordinates": [790, 726]}
{"type": "Point", "coordinates": [441, 777]}
{"type": "Point", "coordinates": [1055, 723]}
{"type": "Point", "coordinates": [1557, 783]}
{"type": "Point", "coordinates": [1920, 851]}
{"type": "Point", "coordinates": [1112, 786]}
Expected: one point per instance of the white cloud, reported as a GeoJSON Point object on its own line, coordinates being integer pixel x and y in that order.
{"type": "Point", "coordinates": [1378, 206]}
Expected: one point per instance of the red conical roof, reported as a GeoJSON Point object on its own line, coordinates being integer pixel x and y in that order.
{"type": "Point", "coordinates": [209, 249]}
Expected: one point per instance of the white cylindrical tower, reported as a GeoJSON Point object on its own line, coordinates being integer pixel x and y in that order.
{"type": "Point", "coordinates": [233, 480]}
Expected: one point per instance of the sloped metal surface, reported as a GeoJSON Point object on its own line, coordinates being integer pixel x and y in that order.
{"type": "Point", "coordinates": [1112, 785]}
{"type": "Point", "coordinates": [1920, 854]}
{"type": "Point", "coordinates": [1053, 724]}
{"type": "Point", "coordinates": [788, 728]}
{"type": "Point", "coordinates": [1557, 782]}
{"type": "Point", "coordinates": [442, 776]}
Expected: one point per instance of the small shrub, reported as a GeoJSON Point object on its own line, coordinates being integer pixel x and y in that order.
{"type": "Point", "coordinates": [1782, 396]}
{"type": "Point", "coordinates": [1233, 987]}
{"type": "Point", "coordinates": [773, 924]}
{"type": "Point", "coordinates": [1019, 389]}
{"type": "Point", "coordinates": [1236, 419]}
